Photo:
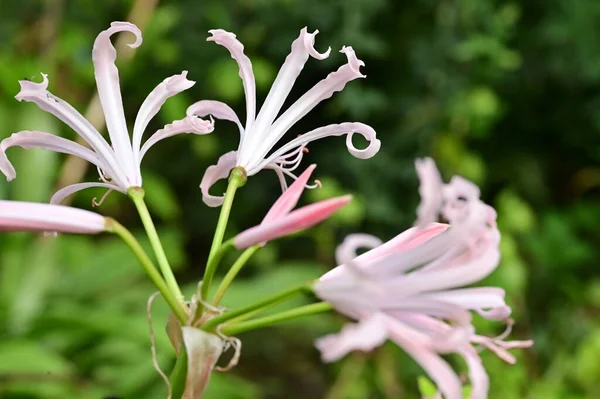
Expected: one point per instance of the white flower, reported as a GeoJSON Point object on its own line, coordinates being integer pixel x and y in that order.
{"type": "Point", "coordinates": [119, 164]}
{"type": "Point", "coordinates": [264, 131]}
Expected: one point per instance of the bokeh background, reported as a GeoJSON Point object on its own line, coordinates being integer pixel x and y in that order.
{"type": "Point", "coordinates": [505, 93]}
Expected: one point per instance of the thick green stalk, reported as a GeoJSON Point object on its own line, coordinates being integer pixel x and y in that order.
{"type": "Point", "coordinates": [115, 227]}
{"type": "Point", "coordinates": [137, 195]}
{"type": "Point", "coordinates": [307, 310]}
{"type": "Point", "coordinates": [237, 179]}
{"type": "Point", "coordinates": [286, 294]}
{"type": "Point", "coordinates": [232, 273]}
{"type": "Point", "coordinates": [179, 375]}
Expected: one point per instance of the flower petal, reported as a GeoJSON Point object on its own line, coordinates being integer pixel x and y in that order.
{"type": "Point", "coordinates": [214, 173]}
{"type": "Point", "coordinates": [217, 109]}
{"type": "Point", "coordinates": [334, 82]}
{"type": "Point", "coordinates": [38, 94]}
{"type": "Point", "coordinates": [366, 335]}
{"type": "Point", "coordinates": [348, 128]}
{"type": "Point", "coordinates": [30, 216]}
{"type": "Point", "coordinates": [480, 382]}
{"type": "Point", "coordinates": [288, 200]}
{"type": "Point", "coordinates": [109, 92]}
{"type": "Point", "coordinates": [347, 250]}
{"type": "Point", "coordinates": [236, 49]}
{"type": "Point", "coordinates": [64, 192]}
{"type": "Point", "coordinates": [189, 124]}
{"type": "Point", "coordinates": [430, 190]}
{"type": "Point", "coordinates": [167, 88]}
{"type": "Point", "coordinates": [297, 220]}
{"type": "Point", "coordinates": [302, 49]}
{"type": "Point", "coordinates": [478, 299]}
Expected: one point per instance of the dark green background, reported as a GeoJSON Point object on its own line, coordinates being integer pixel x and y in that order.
{"type": "Point", "coordinates": [503, 93]}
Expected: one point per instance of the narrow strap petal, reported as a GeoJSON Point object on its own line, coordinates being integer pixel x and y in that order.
{"type": "Point", "coordinates": [109, 92]}
{"type": "Point", "coordinates": [167, 88]}
{"type": "Point", "coordinates": [288, 200]}
{"type": "Point", "coordinates": [347, 250]}
{"type": "Point", "coordinates": [217, 109]}
{"type": "Point", "coordinates": [302, 49]}
{"type": "Point", "coordinates": [480, 382]}
{"type": "Point", "coordinates": [236, 49]}
{"type": "Point", "coordinates": [341, 129]}
{"type": "Point", "coordinates": [430, 190]}
{"type": "Point", "coordinates": [297, 220]}
{"type": "Point", "coordinates": [38, 94]}
{"type": "Point", "coordinates": [30, 216]}
{"type": "Point", "coordinates": [189, 124]}
{"type": "Point", "coordinates": [215, 173]}
{"type": "Point", "coordinates": [64, 192]}
{"type": "Point", "coordinates": [334, 82]}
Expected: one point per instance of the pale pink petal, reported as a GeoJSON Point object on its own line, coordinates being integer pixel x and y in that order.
{"type": "Point", "coordinates": [189, 124]}
{"type": "Point", "coordinates": [302, 49]}
{"type": "Point", "coordinates": [109, 92]}
{"type": "Point", "coordinates": [347, 128]}
{"type": "Point", "coordinates": [30, 139]}
{"type": "Point", "coordinates": [38, 94]}
{"type": "Point", "coordinates": [297, 220]}
{"type": "Point", "coordinates": [347, 250]}
{"type": "Point", "coordinates": [440, 372]}
{"type": "Point", "coordinates": [167, 88]}
{"type": "Point", "coordinates": [365, 336]}
{"type": "Point", "coordinates": [334, 82]}
{"type": "Point", "coordinates": [477, 299]}
{"type": "Point", "coordinates": [30, 216]}
{"type": "Point", "coordinates": [203, 350]}
{"type": "Point", "coordinates": [430, 189]}
{"type": "Point", "coordinates": [217, 109]}
{"type": "Point", "coordinates": [236, 49]}
{"type": "Point", "coordinates": [288, 200]}
{"type": "Point", "coordinates": [215, 173]}
{"type": "Point", "coordinates": [480, 382]}
{"type": "Point", "coordinates": [398, 305]}
{"type": "Point", "coordinates": [64, 192]}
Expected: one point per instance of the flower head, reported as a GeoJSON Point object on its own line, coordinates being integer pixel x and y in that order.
{"type": "Point", "coordinates": [263, 132]}
{"type": "Point", "coordinates": [118, 163]}
{"type": "Point", "coordinates": [31, 216]}
{"type": "Point", "coordinates": [281, 220]}
{"type": "Point", "coordinates": [411, 289]}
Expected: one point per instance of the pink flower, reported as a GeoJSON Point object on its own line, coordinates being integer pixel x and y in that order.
{"type": "Point", "coordinates": [281, 220]}
{"type": "Point", "coordinates": [261, 133]}
{"type": "Point", "coordinates": [118, 163]}
{"type": "Point", "coordinates": [411, 289]}
{"type": "Point", "coordinates": [30, 216]}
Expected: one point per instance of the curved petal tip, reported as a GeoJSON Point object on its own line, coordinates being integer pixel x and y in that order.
{"type": "Point", "coordinates": [28, 87]}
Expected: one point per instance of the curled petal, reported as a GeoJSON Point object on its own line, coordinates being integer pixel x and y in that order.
{"type": "Point", "coordinates": [167, 88]}
{"type": "Point", "coordinates": [334, 82]}
{"type": "Point", "coordinates": [38, 94]}
{"type": "Point", "coordinates": [288, 200]}
{"type": "Point", "coordinates": [348, 128]}
{"type": "Point", "coordinates": [189, 124]}
{"type": "Point", "coordinates": [297, 220]}
{"type": "Point", "coordinates": [64, 192]}
{"type": "Point", "coordinates": [365, 336]}
{"type": "Point", "coordinates": [109, 92]}
{"type": "Point", "coordinates": [30, 139]}
{"type": "Point", "coordinates": [430, 189]}
{"type": "Point", "coordinates": [478, 298]}
{"type": "Point", "coordinates": [302, 49]}
{"type": "Point", "coordinates": [214, 173]}
{"type": "Point", "coordinates": [347, 250]}
{"type": "Point", "coordinates": [236, 49]}
{"type": "Point", "coordinates": [30, 216]}
{"type": "Point", "coordinates": [217, 109]}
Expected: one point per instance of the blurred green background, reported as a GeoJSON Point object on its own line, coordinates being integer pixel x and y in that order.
{"type": "Point", "coordinates": [506, 94]}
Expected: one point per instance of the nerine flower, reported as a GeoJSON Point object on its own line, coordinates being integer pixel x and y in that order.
{"type": "Point", "coordinates": [118, 163]}
{"type": "Point", "coordinates": [31, 216]}
{"type": "Point", "coordinates": [281, 220]}
{"type": "Point", "coordinates": [261, 134]}
{"type": "Point", "coordinates": [411, 289]}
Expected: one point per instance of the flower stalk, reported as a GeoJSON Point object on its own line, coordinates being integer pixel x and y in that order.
{"type": "Point", "coordinates": [233, 272]}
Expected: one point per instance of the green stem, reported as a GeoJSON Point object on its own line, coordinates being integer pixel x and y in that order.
{"type": "Point", "coordinates": [178, 375]}
{"type": "Point", "coordinates": [176, 306]}
{"type": "Point", "coordinates": [277, 318]}
{"type": "Point", "coordinates": [237, 179]}
{"type": "Point", "coordinates": [286, 294]}
{"type": "Point", "coordinates": [235, 269]}
{"type": "Point", "coordinates": [137, 195]}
